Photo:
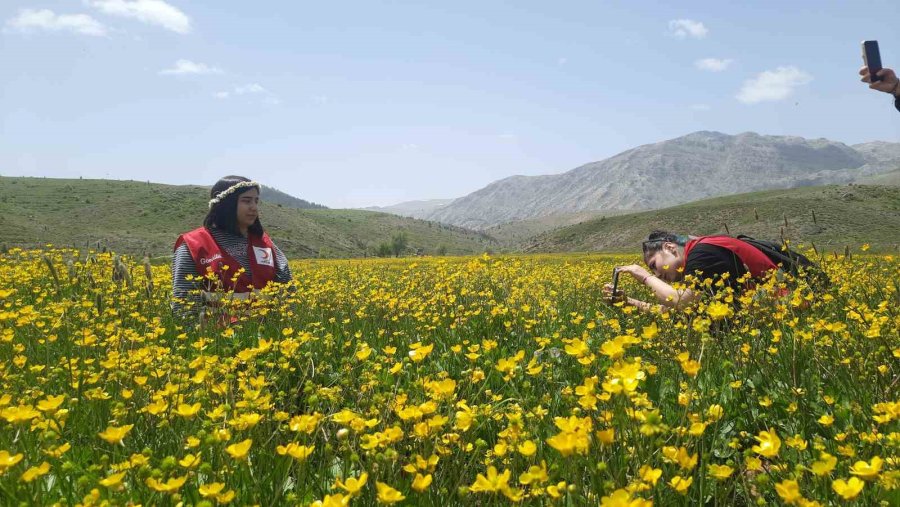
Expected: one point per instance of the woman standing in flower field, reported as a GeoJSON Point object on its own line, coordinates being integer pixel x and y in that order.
{"type": "Point", "coordinates": [673, 257]}
{"type": "Point", "coordinates": [230, 252]}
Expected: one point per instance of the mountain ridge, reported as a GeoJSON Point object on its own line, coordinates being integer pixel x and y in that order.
{"type": "Point", "coordinates": [419, 208]}
{"type": "Point", "coordinates": [695, 166]}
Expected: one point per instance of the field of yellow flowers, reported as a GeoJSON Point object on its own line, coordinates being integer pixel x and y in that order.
{"type": "Point", "coordinates": [472, 381]}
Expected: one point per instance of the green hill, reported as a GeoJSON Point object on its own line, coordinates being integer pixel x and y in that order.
{"type": "Point", "coordinates": [145, 218]}
{"type": "Point", "coordinates": [891, 179]}
{"type": "Point", "coordinates": [513, 234]}
{"type": "Point", "coordinates": [275, 196]}
{"type": "Point", "coordinates": [831, 217]}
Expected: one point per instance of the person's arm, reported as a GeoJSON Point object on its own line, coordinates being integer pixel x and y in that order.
{"type": "Point", "coordinates": [283, 274]}
{"type": "Point", "coordinates": [646, 307]}
{"type": "Point", "coordinates": [666, 294]}
{"type": "Point", "coordinates": [889, 83]}
{"type": "Point", "coordinates": [186, 300]}
{"type": "Point", "coordinates": [637, 303]}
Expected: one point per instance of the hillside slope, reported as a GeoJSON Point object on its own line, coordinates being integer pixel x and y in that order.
{"type": "Point", "coordinates": [831, 217]}
{"type": "Point", "coordinates": [145, 218]}
{"type": "Point", "coordinates": [275, 196]}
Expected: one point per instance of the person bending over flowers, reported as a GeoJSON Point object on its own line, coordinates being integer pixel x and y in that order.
{"type": "Point", "coordinates": [670, 257]}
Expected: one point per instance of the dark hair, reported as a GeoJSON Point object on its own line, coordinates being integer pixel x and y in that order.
{"type": "Point", "coordinates": [656, 239]}
{"type": "Point", "coordinates": [223, 215]}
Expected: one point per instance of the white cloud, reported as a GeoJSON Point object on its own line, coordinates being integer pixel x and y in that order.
{"type": "Point", "coordinates": [772, 85]}
{"type": "Point", "coordinates": [682, 28]}
{"type": "Point", "coordinates": [249, 89]}
{"type": "Point", "coordinates": [713, 64]}
{"type": "Point", "coordinates": [188, 67]}
{"type": "Point", "coordinates": [152, 12]}
{"type": "Point", "coordinates": [29, 20]}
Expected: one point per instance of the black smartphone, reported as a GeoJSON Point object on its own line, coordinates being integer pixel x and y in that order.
{"type": "Point", "coordinates": [615, 284]}
{"type": "Point", "coordinates": [872, 58]}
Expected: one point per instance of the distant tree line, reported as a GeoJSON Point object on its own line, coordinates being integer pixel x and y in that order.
{"type": "Point", "coordinates": [399, 245]}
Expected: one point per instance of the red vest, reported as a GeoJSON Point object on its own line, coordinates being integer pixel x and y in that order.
{"type": "Point", "coordinates": [757, 263]}
{"type": "Point", "coordinates": [209, 257]}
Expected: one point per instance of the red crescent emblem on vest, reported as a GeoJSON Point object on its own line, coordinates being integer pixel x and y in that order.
{"type": "Point", "coordinates": [265, 255]}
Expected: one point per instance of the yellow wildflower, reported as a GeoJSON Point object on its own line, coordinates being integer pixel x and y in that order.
{"type": "Point", "coordinates": [867, 471]}
{"type": "Point", "coordinates": [769, 444]}
{"type": "Point", "coordinates": [789, 491]}
{"type": "Point", "coordinates": [113, 480]}
{"type": "Point", "coordinates": [849, 489]}
{"type": "Point", "coordinates": [492, 482]}
{"type": "Point", "coordinates": [115, 435]}
{"type": "Point", "coordinates": [387, 494]}
{"type": "Point", "coordinates": [239, 450]}
{"type": "Point", "coordinates": [421, 482]}
{"type": "Point", "coordinates": [623, 498]}
{"type": "Point", "coordinates": [170, 486]}
{"type": "Point", "coordinates": [187, 411]}
{"type": "Point", "coordinates": [211, 489]}
{"type": "Point", "coordinates": [720, 472]}
{"type": "Point", "coordinates": [681, 484]}
{"type": "Point", "coordinates": [50, 403]}
{"type": "Point", "coordinates": [824, 465]}
{"type": "Point", "coordinates": [296, 451]}
{"type": "Point", "coordinates": [527, 448]}
{"type": "Point", "coordinates": [353, 485]}
{"type": "Point", "coordinates": [35, 472]}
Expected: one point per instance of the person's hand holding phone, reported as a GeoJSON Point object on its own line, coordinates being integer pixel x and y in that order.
{"type": "Point", "coordinates": [611, 291]}
{"type": "Point", "coordinates": [608, 292]}
{"type": "Point", "coordinates": [881, 79]}
{"type": "Point", "coordinates": [888, 82]}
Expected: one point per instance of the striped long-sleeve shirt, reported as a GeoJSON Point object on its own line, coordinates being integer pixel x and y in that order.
{"type": "Point", "coordinates": [185, 293]}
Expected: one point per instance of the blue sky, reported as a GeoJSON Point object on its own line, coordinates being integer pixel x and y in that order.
{"type": "Point", "coordinates": [372, 103]}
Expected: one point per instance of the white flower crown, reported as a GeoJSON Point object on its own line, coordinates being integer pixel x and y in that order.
{"type": "Point", "coordinates": [230, 190]}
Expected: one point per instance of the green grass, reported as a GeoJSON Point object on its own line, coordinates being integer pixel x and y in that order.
{"type": "Point", "coordinates": [844, 215]}
{"type": "Point", "coordinates": [145, 218]}
{"type": "Point", "coordinates": [512, 234]}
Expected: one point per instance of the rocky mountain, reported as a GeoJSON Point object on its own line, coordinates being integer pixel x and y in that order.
{"type": "Point", "coordinates": [413, 209]}
{"type": "Point", "coordinates": [696, 166]}
{"type": "Point", "coordinates": [877, 152]}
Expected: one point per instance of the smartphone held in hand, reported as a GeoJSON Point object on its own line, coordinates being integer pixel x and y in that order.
{"type": "Point", "coordinates": [872, 58]}
{"type": "Point", "coordinates": [615, 285]}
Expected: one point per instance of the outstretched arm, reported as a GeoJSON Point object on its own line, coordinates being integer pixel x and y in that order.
{"type": "Point", "coordinates": [666, 294]}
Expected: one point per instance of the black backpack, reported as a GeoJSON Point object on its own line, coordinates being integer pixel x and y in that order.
{"type": "Point", "coordinates": [790, 261]}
